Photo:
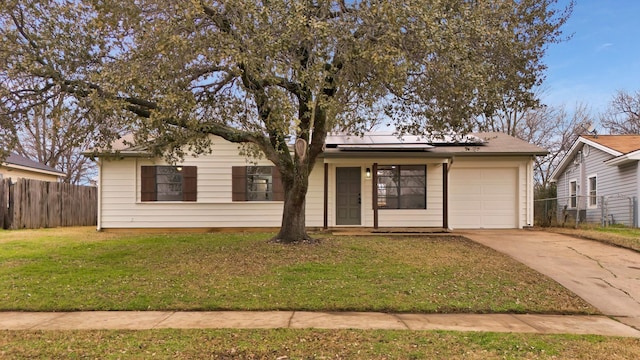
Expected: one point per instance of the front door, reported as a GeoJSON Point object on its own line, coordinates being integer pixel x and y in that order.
{"type": "Point", "coordinates": [348, 196]}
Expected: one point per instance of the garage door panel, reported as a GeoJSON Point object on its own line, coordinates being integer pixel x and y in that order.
{"type": "Point", "coordinates": [483, 198]}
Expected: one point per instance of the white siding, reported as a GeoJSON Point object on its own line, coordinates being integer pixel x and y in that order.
{"type": "Point", "coordinates": [121, 206]}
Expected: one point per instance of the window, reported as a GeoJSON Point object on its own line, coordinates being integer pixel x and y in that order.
{"type": "Point", "coordinates": [168, 183]}
{"type": "Point", "coordinates": [573, 193]}
{"type": "Point", "coordinates": [402, 187]}
{"type": "Point", "coordinates": [593, 191]}
{"type": "Point", "coordinates": [256, 183]}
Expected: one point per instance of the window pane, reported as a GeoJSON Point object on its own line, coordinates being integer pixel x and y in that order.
{"type": "Point", "coordinates": [259, 183]}
{"type": "Point", "coordinates": [402, 187]}
{"type": "Point", "coordinates": [168, 183]}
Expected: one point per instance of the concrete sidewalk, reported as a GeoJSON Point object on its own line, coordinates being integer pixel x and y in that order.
{"type": "Point", "coordinates": [140, 320]}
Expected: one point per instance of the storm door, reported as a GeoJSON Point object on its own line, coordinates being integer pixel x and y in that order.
{"type": "Point", "coordinates": [348, 197]}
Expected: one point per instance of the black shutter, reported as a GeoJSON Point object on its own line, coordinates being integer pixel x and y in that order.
{"type": "Point", "coordinates": [278, 188]}
{"type": "Point", "coordinates": [148, 183]}
{"type": "Point", "coordinates": [239, 183]}
{"type": "Point", "coordinates": [189, 183]}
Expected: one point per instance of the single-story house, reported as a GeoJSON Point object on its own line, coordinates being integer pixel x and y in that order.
{"type": "Point", "coordinates": [598, 180]}
{"type": "Point", "coordinates": [16, 166]}
{"type": "Point", "coordinates": [482, 180]}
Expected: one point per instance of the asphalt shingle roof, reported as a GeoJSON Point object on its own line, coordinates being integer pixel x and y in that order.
{"type": "Point", "coordinates": [621, 143]}
{"type": "Point", "coordinates": [19, 160]}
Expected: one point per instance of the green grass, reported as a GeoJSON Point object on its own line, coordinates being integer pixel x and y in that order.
{"type": "Point", "coordinates": [79, 269]}
{"type": "Point", "coordinates": [614, 235]}
{"type": "Point", "coordinates": [309, 344]}
{"type": "Point", "coordinates": [633, 233]}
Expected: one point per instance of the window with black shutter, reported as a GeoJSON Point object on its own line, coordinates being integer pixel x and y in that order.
{"type": "Point", "coordinates": [169, 183]}
{"type": "Point", "coordinates": [256, 183]}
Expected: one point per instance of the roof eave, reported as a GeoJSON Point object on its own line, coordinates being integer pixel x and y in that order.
{"type": "Point", "coordinates": [624, 159]}
{"type": "Point", "coordinates": [117, 154]}
{"type": "Point", "coordinates": [41, 171]}
{"type": "Point", "coordinates": [426, 154]}
{"type": "Point", "coordinates": [580, 141]}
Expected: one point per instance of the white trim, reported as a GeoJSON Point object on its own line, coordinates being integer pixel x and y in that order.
{"type": "Point", "coordinates": [530, 194]}
{"type": "Point", "coordinates": [624, 159]}
{"type": "Point", "coordinates": [32, 169]}
{"type": "Point", "coordinates": [589, 205]}
{"type": "Point", "coordinates": [99, 222]}
{"type": "Point", "coordinates": [572, 153]}
{"type": "Point", "coordinates": [574, 180]}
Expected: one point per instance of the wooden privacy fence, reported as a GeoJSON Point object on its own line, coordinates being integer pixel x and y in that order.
{"type": "Point", "coordinates": [32, 204]}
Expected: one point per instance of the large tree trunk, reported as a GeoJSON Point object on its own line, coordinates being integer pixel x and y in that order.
{"type": "Point", "coordinates": [293, 227]}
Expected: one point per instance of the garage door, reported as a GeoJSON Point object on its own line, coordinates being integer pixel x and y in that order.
{"type": "Point", "coordinates": [483, 198]}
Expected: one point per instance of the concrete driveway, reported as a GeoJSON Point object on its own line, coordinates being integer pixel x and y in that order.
{"type": "Point", "coordinates": [605, 276]}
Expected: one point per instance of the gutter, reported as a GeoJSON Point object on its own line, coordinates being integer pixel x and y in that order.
{"type": "Point", "coordinates": [624, 159]}
{"type": "Point", "coordinates": [32, 169]}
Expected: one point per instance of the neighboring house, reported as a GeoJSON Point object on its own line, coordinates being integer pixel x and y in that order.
{"type": "Point", "coordinates": [599, 180]}
{"type": "Point", "coordinates": [16, 166]}
{"type": "Point", "coordinates": [485, 181]}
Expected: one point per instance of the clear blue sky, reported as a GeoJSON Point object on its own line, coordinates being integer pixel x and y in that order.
{"type": "Point", "coordinates": [602, 56]}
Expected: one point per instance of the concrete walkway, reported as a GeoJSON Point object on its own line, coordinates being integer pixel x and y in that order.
{"type": "Point", "coordinates": [140, 320]}
{"type": "Point", "coordinates": [605, 276]}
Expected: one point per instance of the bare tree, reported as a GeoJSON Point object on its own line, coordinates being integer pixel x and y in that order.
{"type": "Point", "coordinates": [55, 133]}
{"type": "Point", "coordinates": [555, 129]}
{"type": "Point", "coordinates": [623, 114]}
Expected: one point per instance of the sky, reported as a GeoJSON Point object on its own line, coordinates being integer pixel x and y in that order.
{"type": "Point", "coordinates": [602, 56]}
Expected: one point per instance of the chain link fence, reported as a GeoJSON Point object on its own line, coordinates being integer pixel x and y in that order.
{"type": "Point", "coordinates": [619, 209]}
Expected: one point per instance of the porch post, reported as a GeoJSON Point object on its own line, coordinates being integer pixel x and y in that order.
{"type": "Point", "coordinates": [325, 224]}
{"type": "Point", "coordinates": [445, 195]}
{"type": "Point", "coordinates": [374, 195]}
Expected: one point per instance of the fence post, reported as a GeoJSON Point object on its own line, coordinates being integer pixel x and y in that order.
{"type": "Point", "coordinates": [634, 211]}
{"type": "Point", "coordinates": [603, 220]}
{"type": "Point", "coordinates": [3, 203]}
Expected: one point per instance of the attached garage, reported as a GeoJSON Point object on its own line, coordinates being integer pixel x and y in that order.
{"type": "Point", "coordinates": [483, 198]}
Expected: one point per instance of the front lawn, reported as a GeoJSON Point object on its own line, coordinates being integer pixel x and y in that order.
{"type": "Point", "coordinates": [286, 344]}
{"type": "Point", "coordinates": [79, 269]}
